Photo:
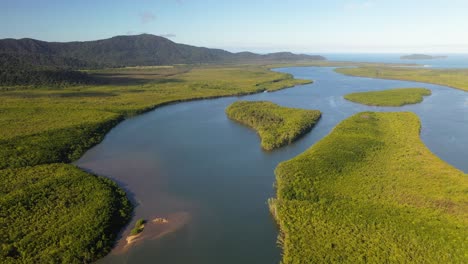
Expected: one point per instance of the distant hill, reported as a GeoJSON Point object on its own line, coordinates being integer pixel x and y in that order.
{"type": "Point", "coordinates": [421, 57]}
{"type": "Point", "coordinates": [137, 50]}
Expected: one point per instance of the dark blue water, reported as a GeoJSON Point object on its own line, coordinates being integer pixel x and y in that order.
{"type": "Point", "coordinates": [452, 61]}
{"type": "Point", "coordinates": [190, 158]}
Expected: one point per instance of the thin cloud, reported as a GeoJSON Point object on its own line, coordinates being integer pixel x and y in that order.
{"type": "Point", "coordinates": [147, 17]}
{"type": "Point", "coordinates": [360, 5]}
{"type": "Point", "coordinates": [169, 35]}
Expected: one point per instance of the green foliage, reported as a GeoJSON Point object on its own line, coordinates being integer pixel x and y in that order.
{"type": "Point", "coordinates": [455, 78]}
{"type": "Point", "coordinates": [42, 125]}
{"type": "Point", "coordinates": [392, 97]}
{"type": "Point", "coordinates": [276, 125]}
{"type": "Point", "coordinates": [144, 49]}
{"type": "Point", "coordinates": [58, 214]}
{"type": "Point", "coordinates": [139, 225]}
{"type": "Point", "coordinates": [61, 145]}
{"type": "Point", "coordinates": [371, 191]}
{"type": "Point", "coordinates": [37, 69]}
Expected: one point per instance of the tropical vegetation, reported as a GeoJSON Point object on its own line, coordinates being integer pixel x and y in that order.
{"type": "Point", "coordinates": [51, 212]}
{"type": "Point", "coordinates": [372, 192]}
{"type": "Point", "coordinates": [455, 78]}
{"type": "Point", "coordinates": [391, 97]}
{"type": "Point", "coordinates": [139, 225]}
{"type": "Point", "coordinates": [276, 125]}
{"type": "Point", "coordinates": [57, 213]}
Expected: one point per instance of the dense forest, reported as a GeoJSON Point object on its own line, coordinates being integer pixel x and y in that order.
{"type": "Point", "coordinates": [58, 214]}
{"type": "Point", "coordinates": [136, 50]}
{"type": "Point", "coordinates": [371, 192]}
{"type": "Point", "coordinates": [40, 70]}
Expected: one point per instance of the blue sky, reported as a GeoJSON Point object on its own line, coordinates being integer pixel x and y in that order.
{"type": "Point", "coordinates": [313, 26]}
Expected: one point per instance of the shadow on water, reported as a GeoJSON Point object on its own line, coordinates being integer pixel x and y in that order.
{"type": "Point", "coordinates": [190, 158]}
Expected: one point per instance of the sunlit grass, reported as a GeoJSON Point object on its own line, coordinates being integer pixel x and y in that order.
{"type": "Point", "coordinates": [456, 78]}
{"type": "Point", "coordinates": [372, 192]}
{"type": "Point", "coordinates": [391, 97]}
{"type": "Point", "coordinates": [31, 118]}
{"type": "Point", "coordinates": [276, 125]}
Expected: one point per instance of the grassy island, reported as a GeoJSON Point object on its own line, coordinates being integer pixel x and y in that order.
{"type": "Point", "coordinates": [392, 97]}
{"type": "Point", "coordinates": [276, 125]}
{"type": "Point", "coordinates": [372, 192]}
{"type": "Point", "coordinates": [139, 226]}
{"type": "Point", "coordinates": [455, 78]}
{"type": "Point", "coordinates": [55, 213]}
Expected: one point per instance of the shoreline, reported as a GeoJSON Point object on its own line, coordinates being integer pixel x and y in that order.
{"type": "Point", "coordinates": [398, 79]}
{"type": "Point", "coordinates": [121, 234]}
{"type": "Point", "coordinates": [141, 112]}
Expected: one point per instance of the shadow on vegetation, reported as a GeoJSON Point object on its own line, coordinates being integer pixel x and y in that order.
{"type": "Point", "coordinates": [119, 79]}
{"type": "Point", "coordinates": [56, 95]}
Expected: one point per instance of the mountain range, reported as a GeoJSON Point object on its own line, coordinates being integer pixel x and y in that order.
{"type": "Point", "coordinates": [136, 50]}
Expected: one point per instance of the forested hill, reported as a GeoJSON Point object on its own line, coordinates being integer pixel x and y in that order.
{"type": "Point", "coordinates": [137, 50]}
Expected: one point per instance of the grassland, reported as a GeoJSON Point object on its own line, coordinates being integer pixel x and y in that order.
{"type": "Point", "coordinates": [276, 125]}
{"type": "Point", "coordinates": [372, 192]}
{"type": "Point", "coordinates": [44, 125]}
{"type": "Point", "coordinates": [391, 97]}
{"type": "Point", "coordinates": [455, 78]}
{"type": "Point", "coordinates": [54, 213]}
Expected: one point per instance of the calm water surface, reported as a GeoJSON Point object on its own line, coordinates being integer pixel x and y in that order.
{"type": "Point", "coordinates": [190, 158]}
{"type": "Point", "coordinates": [453, 61]}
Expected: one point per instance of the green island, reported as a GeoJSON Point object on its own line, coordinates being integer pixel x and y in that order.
{"type": "Point", "coordinates": [51, 212]}
{"type": "Point", "coordinates": [138, 228]}
{"type": "Point", "coordinates": [454, 78]}
{"type": "Point", "coordinates": [276, 125]}
{"type": "Point", "coordinates": [421, 57]}
{"type": "Point", "coordinates": [391, 97]}
{"type": "Point", "coordinates": [372, 192]}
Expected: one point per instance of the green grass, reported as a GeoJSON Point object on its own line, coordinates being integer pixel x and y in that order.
{"type": "Point", "coordinates": [58, 214]}
{"type": "Point", "coordinates": [455, 78]}
{"type": "Point", "coordinates": [392, 97]}
{"type": "Point", "coordinates": [372, 192]}
{"type": "Point", "coordinates": [276, 125]}
{"type": "Point", "coordinates": [139, 225]}
{"type": "Point", "coordinates": [44, 125]}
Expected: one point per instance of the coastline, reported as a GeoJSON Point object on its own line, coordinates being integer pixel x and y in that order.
{"type": "Point", "coordinates": [399, 79]}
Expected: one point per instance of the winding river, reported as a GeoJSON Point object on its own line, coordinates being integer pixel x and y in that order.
{"type": "Point", "coordinates": [190, 164]}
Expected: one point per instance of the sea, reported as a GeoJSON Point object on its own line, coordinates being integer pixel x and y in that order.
{"type": "Point", "coordinates": [453, 61]}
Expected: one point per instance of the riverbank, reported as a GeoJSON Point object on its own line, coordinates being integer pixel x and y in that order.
{"type": "Point", "coordinates": [371, 191]}
{"type": "Point", "coordinates": [454, 78]}
{"type": "Point", "coordinates": [43, 125]}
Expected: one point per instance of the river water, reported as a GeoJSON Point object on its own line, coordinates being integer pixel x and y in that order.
{"type": "Point", "coordinates": [190, 160]}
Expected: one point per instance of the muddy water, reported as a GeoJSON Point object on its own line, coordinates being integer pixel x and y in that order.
{"type": "Point", "coordinates": [206, 174]}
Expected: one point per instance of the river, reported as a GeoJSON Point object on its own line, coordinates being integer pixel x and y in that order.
{"type": "Point", "coordinates": [189, 161]}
